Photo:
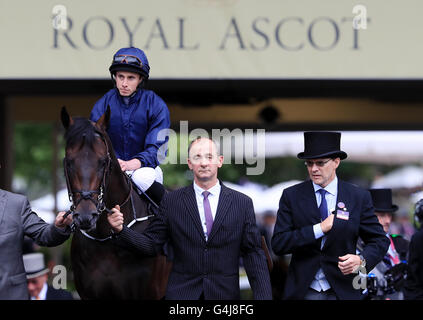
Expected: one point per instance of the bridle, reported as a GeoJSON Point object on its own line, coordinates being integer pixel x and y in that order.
{"type": "Point", "coordinates": [88, 194]}
{"type": "Point", "coordinates": [100, 203]}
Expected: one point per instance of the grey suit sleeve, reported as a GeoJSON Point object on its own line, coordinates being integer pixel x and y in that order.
{"type": "Point", "coordinates": [254, 258]}
{"type": "Point", "coordinates": [41, 232]}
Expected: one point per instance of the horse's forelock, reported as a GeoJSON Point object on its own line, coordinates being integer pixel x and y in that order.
{"type": "Point", "coordinates": [82, 129]}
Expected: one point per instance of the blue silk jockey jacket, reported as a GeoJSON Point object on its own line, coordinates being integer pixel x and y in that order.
{"type": "Point", "coordinates": [138, 128]}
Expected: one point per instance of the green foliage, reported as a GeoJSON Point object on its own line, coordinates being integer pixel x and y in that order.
{"type": "Point", "coordinates": [33, 157]}
{"type": "Point", "coordinates": [176, 175]}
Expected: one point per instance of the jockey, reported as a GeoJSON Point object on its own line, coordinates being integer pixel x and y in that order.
{"type": "Point", "coordinates": [139, 121]}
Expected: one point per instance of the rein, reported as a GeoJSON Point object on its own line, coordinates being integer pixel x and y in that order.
{"type": "Point", "coordinates": [100, 204]}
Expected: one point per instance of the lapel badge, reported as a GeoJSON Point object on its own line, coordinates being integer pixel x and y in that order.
{"type": "Point", "coordinates": [341, 205]}
{"type": "Point", "coordinates": [342, 214]}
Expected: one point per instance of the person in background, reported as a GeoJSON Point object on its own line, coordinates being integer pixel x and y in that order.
{"type": "Point", "coordinates": [402, 225]}
{"type": "Point", "coordinates": [279, 268]}
{"type": "Point", "coordinates": [37, 276]}
{"type": "Point", "coordinates": [397, 252]}
{"type": "Point", "coordinates": [266, 225]}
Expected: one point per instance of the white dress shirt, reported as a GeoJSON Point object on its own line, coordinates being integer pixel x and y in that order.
{"type": "Point", "coordinates": [43, 293]}
{"type": "Point", "coordinates": [213, 200]}
{"type": "Point", "coordinates": [320, 282]}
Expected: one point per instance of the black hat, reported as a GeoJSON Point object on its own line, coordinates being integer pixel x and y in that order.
{"type": "Point", "coordinates": [322, 145]}
{"type": "Point", "coordinates": [382, 200]}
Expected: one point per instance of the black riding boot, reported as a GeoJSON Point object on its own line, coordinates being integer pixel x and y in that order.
{"type": "Point", "coordinates": [156, 192]}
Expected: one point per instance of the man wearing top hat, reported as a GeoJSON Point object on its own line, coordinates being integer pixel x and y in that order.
{"type": "Point", "coordinates": [319, 222]}
{"type": "Point", "coordinates": [397, 251]}
{"type": "Point", "coordinates": [385, 210]}
{"type": "Point", "coordinates": [37, 276]}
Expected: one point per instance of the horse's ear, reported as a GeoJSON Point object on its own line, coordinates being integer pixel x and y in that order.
{"type": "Point", "coordinates": [103, 122]}
{"type": "Point", "coordinates": [67, 120]}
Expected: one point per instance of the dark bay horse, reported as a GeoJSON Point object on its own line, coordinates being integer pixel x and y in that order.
{"type": "Point", "coordinates": [102, 268]}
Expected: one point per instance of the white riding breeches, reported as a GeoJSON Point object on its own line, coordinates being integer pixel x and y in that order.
{"type": "Point", "coordinates": [145, 176]}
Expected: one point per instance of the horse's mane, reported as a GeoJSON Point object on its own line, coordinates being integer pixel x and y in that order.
{"type": "Point", "coordinates": [84, 130]}
{"type": "Point", "coordinates": [82, 127]}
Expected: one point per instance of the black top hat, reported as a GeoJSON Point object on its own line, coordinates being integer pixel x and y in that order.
{"type": "Point", "coordinates": [322, 145]}
{"type": "Point", "coordinates": [382, 200]}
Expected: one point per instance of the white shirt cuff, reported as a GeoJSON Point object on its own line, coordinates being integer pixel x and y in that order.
{"type": "Point", "coordinates": [317, 229]}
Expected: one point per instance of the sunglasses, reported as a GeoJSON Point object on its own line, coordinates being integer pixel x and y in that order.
{"type": "Point", "coordinates": [128, 59]}
{"type": "Point", "coordinates": [320, 163]}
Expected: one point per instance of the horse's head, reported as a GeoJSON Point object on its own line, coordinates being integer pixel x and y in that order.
{"type": "Point", "coordinates": [87, 165]}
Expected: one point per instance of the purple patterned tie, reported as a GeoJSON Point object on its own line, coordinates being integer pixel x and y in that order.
{"type": "Point", "coordinates": [207, 212]}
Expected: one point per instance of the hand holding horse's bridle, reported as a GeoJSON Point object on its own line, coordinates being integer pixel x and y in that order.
{"type": "Point", "coordinates": [89, 195]}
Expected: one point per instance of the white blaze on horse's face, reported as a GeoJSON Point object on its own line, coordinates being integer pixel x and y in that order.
{"type": "Point", "coordinates": [86, 164]}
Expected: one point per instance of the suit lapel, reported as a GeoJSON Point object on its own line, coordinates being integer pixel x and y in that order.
{"type": "Point", "coordinates": [225, 201]}
{"type": "Point", "coordinates": [308, 204]}
{"type": "Point", "coordinates": [343, 196]}
{"type": "Point", "coordinates": [308, 200]}
{"type": "Point", "coordinates": [3, 201]}
{"type": "Point", "coordinates": [192, 208]}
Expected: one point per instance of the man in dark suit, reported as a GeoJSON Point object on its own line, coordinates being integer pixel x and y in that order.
{"type": "Point", "coordinates": [209, 227]}
{"type": "Point", "coordinates": [319, 222]}
{"type": "Point", "coordinates": [37, 276]}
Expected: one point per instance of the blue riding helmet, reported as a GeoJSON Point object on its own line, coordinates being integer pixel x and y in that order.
{"type": "Point", "coordinates": [130, 59]}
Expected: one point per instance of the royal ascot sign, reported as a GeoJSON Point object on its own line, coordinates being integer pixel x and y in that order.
{"type": "Point", "coordinates": [218, 39]}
